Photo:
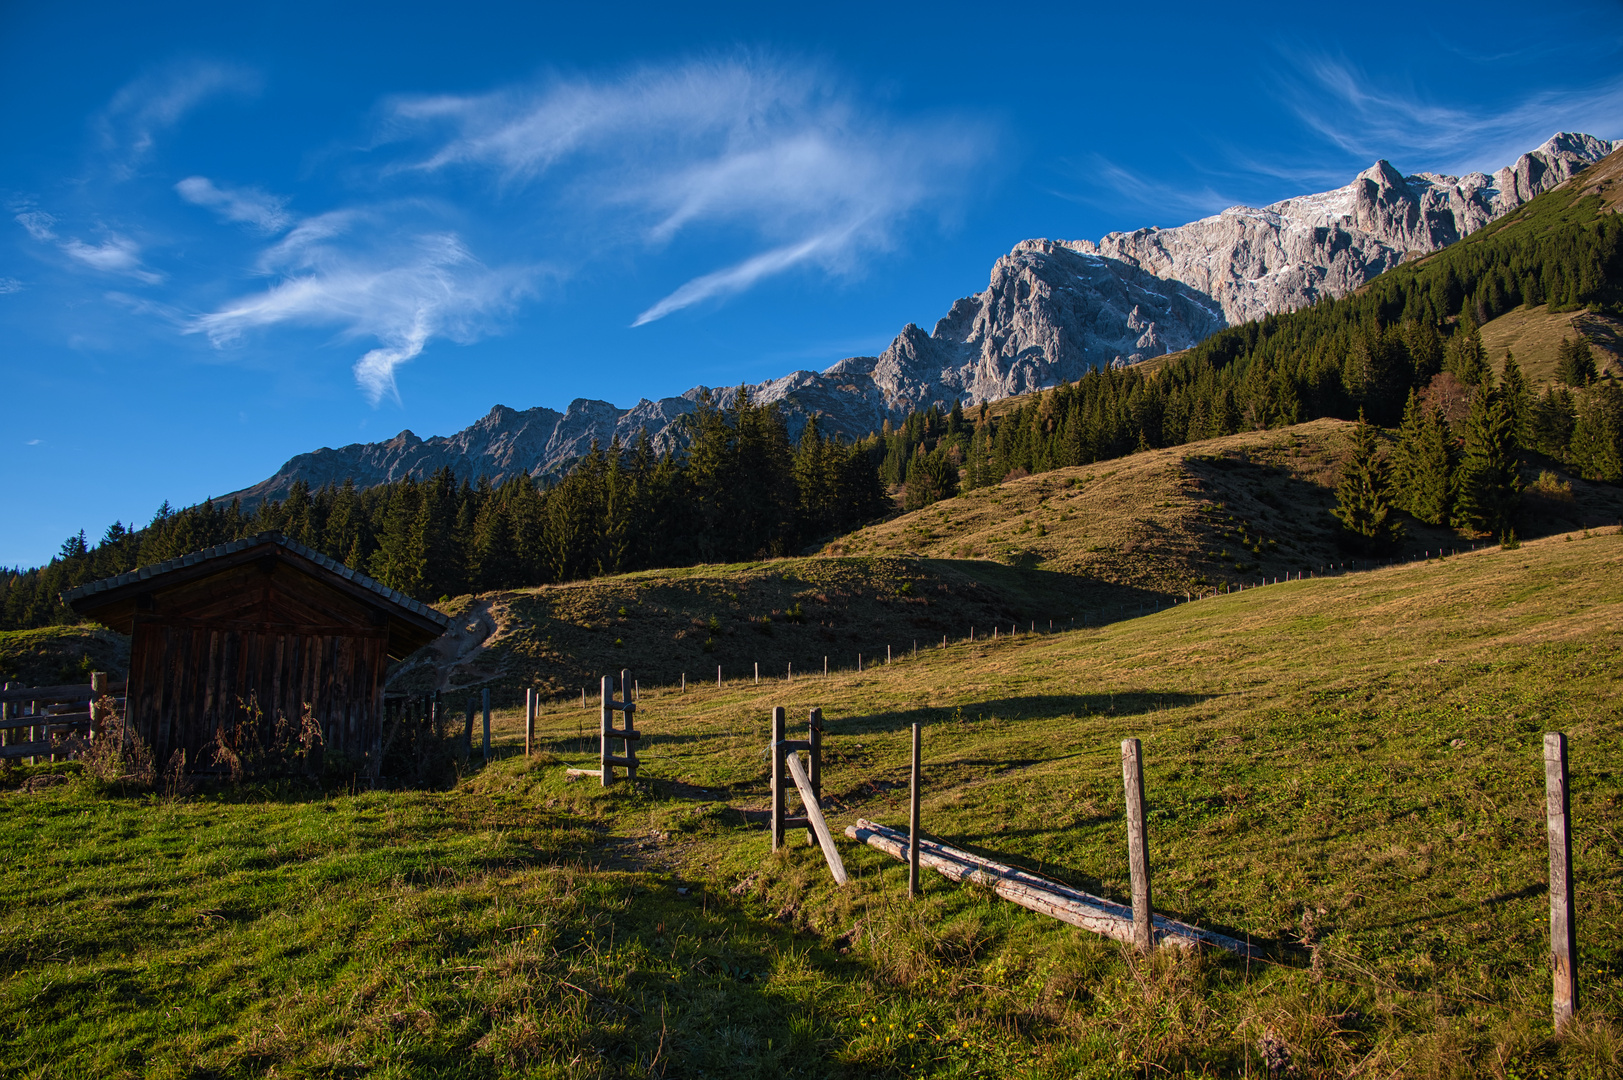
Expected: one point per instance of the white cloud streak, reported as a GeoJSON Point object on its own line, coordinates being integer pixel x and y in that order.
{"type": "Point", "coordinates": [10, 285]}
{"type": "Point", "coordinates": [132, 120]}
{"type": "Point", "coordinates": [244, 206]}
{"type": "Point", "coordinates": [1368, 120]}
{"type": "Point", "coordinates": [400, 291]}
{"type": "Point", "coordinates": [771, 150]}
{"type": "Point", "coordinates": [116, 254]}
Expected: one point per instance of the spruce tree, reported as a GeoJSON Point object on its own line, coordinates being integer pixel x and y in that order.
{"type": "Point", "coordinates": [1596, 451]}
{"type": "Point", "coordinates": [1467, 359]}
{"type": "Point", "coordinates": [1432, 479]}
{"type": "Point", "coordinates": [1518, 398]}
{"type": "Point", "coordinates": [1364, 496]}
{"type": "Point", "coordinates": [1575, 363]}
{"type": "Point", "coordinates": [1489, 473]}
{"type": "Point", "coordinates": [1554, 415]}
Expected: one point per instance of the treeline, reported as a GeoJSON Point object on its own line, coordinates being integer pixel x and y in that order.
{"type": "Point", "coordinates": [741, 491]}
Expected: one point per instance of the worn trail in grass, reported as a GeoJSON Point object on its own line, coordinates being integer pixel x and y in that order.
{"type": "Point", "coordinates": [1349, 762]}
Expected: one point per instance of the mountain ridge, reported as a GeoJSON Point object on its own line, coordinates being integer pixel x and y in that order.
{"type": "Point", "coordinates": [1052, 310]}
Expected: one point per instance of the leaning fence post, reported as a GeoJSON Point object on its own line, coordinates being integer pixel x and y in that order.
{"type": "Point", "coordinates": [1563, 921]}
{"type": "Point", "coordinates": [529, 719]}
{"type": "Point", "coordinates": [1138, 848]}
{"type": "Point", "coordinates": [777, 776]}
{"type": "Point", "coordinates": [485, 705]}
{"type": "Point", "coordinates": [913, 820]}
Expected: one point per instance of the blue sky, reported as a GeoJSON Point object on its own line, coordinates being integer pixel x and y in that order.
{"type": "Point", "coordinates": [233, 233]}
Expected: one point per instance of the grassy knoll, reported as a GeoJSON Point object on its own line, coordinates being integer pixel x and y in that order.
{"type": "Point", "coordinates": [1350, 761]}
{"type": "Point", "coordinates": [1227, 510]}
{"type": "Point", "coordinates": [1534, 336]}
{"type": "Point", "coordinates": [61, 654]}
{"type": "Point", "coordinates": [775, 613]}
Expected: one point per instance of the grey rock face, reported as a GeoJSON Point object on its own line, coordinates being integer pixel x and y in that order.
{"type": "Point", "coordinates": [1052, 310]}
{"type": "Point", "coordinates": [1255, 262]}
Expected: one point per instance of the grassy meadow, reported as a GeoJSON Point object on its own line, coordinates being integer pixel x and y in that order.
{"type": "Point", "coordinates": [1344, 770]}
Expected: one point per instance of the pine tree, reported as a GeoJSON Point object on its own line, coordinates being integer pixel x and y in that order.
{"type": "Point", "coordinates": [1596, 451]}
{"type": "Point", "coordinates": [1423, 476]}
{"type": "Point", "coordinates": [1575, 363]}
{"type": "Point", "coordinates": [1489, 473]}
{"type": "Point", "coordinates": [1364, 497]}
{"type": "Point", "coordinates": [1518, 399]}
{"type": "Point", "coordinates": [1467, 360]}
{"type": "Point", "coordinates": [399, 561]}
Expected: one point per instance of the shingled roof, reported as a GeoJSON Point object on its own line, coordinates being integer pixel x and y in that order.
{"type": "Point", "coordinates": [85, 592]}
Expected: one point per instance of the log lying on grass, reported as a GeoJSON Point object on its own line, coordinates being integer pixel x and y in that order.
{"type": "Point", "coordinates": [1040, 894]}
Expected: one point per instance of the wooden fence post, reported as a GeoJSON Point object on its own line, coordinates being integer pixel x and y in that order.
{"type": "Point", "coordinates": [815, 763]}
{"type": "Point", "coordinates": [467, 731]}
{"type": "Point", "coordinates": [98, 689]}
{"type": "Point", "coordinates": [718, 676]}
{"type": "Point", "coordinates": [1563, 921]}
{"type": "Point", "coordinates": [913, 820]}
{"type": "Point", "coordinates": [777, 777]}
{"type": "Point", "coordinates": [605, 772]}
{"type": "Point", "coordinates": [1138, 848]}
{"type": "Point", "coordinates": [484, 696]}
{"type": "Point", "coordinates": [529, 719]}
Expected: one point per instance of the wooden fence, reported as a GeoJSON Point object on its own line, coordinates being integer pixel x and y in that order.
{"type": "Point", "coordinates": [32, 718]}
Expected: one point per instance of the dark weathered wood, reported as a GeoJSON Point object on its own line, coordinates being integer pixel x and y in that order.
{"type": "Point", "coordinates": [814, 814]}
{"type": "Point", "coordinates": [606, 687]}
{"type": "Point", "coordinates": [27, 749]}
{"type": "Point", "coordinates": [529, 719]}
{"type": "Point", "coordinates": [41, 719]}
{"type": "Point", "coordinates": [776, 754]}
{"type": "Point", "coordinates": [1138, 848]}
{"type": "Point", "coordinates": [1563, 917]}
{"type": "Point", "coordinates": [814, 758]}
{"type": "Point", "coordinates": [1053, 898]}
{"type": "Point", "coordinates": [50, 694]}
{"type": "Point", "coordinates": [913, 818]}
{"type": "Point", "coordinates": [484, 700]}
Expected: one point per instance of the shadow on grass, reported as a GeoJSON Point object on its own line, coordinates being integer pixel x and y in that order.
{"type": "Point", "coordinates": [1024, 707]}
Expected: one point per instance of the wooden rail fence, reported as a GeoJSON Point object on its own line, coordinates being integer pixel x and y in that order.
{"type": "Point", "coordinates": [625, 704]}
{"type": "Point", "coordinates": [32, 716]}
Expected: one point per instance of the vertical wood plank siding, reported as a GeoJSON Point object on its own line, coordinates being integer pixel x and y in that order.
{"type": "Point", "coordinates": [192, 680]}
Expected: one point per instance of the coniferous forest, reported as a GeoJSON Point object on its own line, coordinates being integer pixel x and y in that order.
{"type": "Point", "coordinates": [1405, 352]}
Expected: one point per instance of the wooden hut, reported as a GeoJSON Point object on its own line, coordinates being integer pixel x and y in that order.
{"type": "Point", "coordinates": [260, 627]}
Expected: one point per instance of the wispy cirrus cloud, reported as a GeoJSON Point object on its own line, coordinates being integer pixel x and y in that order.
{"type": "Point", "coordinates": [1103, 183]}
{"type": "Point", "coordinates": [245, 206]}
{"type": "Point", "coordinates": [1369, 118]}
{"type": "Point", "coordinates": [10, 285]}
{"type": "Point", "coordinates": [777, 151]}
{"type": "Point", "coordinates": [133, 118]}
{"type": "Point", "coordinates": [352, 269]}
{"type": "Point", "coordinates": [115, 254]}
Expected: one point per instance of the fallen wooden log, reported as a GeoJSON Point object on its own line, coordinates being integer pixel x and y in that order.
{"type": "Point", "coordinates": [1039, 894]}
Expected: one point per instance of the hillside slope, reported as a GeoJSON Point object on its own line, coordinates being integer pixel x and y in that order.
{"type": "Point", "coordinates": [1094, 544]}
{"type": "Point", "coordinates": [1227, 510]}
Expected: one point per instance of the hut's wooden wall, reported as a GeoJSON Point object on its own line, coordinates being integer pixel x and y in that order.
{"type": "Point", "coordinates": [261, 633]}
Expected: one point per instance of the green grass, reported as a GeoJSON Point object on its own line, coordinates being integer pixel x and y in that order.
{"type": "Point", "coordinates": [1362, 749]}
